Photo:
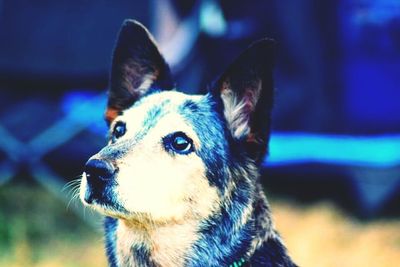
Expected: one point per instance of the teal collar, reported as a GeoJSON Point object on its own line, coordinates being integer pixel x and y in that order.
{"type": "Point", "coordinates": [238, 263]}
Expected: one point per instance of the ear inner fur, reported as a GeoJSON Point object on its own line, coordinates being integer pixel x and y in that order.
{"type": "Point", "coordinates": [137, 67]}
{"type": "Point", "coordinates": [238, 109]}
{"type": "Point", "coordinates": [246, 92]}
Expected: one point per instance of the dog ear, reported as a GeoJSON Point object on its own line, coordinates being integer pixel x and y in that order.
{"type": "Point", "coordinates": [137, 68]}
{"type": "Point", "coordinates": [246, 92]}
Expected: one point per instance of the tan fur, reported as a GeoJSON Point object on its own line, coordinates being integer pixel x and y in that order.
{"type": "Point", "coordinates": [126, 237]}
{"type": "Point", "coordinates": [167, 243]}
{"type": "Point", "coordinates": [110, 114]}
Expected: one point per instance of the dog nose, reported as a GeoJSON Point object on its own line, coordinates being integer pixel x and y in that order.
{"type": "Point", "coordinates": [96, 169]}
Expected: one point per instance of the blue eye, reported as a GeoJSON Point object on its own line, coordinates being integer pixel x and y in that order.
{"type": "Point", "coordinates": [179, 143]}
{"type": "Point", "coordinates": [119, 130]}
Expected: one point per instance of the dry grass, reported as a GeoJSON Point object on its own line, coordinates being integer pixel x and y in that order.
{"type": "Point", "coordinates": [37, 230]}
{"type": "Point", "coordinates": [321, 235]}
{"type": "Point", "coordinates": [56, 253]}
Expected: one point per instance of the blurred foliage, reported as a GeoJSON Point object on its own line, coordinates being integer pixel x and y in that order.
{"type": "Point", "coordinates": [36, 229]}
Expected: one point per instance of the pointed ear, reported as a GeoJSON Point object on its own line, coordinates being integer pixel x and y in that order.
{"type": "Point", "coordinates": [246, 93]}
{"type": "Point", "coordinates": [137, 67]}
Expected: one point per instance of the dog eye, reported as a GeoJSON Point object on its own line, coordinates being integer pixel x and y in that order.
{"type": "Point", "coordinates": [119, 129]}
{"type": "Point", "coordinates": [179, 143]}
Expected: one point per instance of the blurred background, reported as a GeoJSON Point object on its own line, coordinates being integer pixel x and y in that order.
{"type": "Point", "coordinates": [333, 174]}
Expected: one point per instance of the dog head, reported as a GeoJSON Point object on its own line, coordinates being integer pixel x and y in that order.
{"type": "Point", "coordinates": [170, 156]}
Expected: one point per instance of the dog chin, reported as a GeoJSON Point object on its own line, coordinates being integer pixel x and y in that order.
{"type": "Point", "coordinates": [133, 219]}
{"type": "Point", "coordinates": [103, 206]}
{"type": "Point", "coordinates": [115, 210]}
{"type": "Point", "coordinates": [108, 209]}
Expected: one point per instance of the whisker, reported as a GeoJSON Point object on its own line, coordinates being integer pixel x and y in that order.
{"type": "Point", "coordinates": [75, 196]}
{"type": "Point", "coordinates": [71, 183]}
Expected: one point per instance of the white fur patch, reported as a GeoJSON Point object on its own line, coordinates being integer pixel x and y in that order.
{"type": "Point", "coordinates": [151, 180]}
{"type": "Point", "coordinates": [237, 110]}
{"type": "Point", "coordinates": [83, 188]}
{"type": "Point", "coordinates": [145, 85]}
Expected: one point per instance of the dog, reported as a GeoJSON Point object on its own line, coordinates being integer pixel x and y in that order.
{"type": "Point", "coordinates": [178, 181]}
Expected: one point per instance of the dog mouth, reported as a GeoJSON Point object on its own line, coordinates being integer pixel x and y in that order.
{"type": "Point", "coordinates": [98, 181]}
{"type": "Point", "coordinates": [100, 197]}
{"type": "Point", "coordinates": [103, 202]}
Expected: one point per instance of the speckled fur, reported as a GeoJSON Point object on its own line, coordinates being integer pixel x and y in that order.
{"type": "Point", "coordinates": [203, 208]}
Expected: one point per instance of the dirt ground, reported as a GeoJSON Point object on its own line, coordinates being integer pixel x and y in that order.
{"type": "Point", "coordinates": [39, 231]}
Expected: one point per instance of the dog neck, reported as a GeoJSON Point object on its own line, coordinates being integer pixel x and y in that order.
{"type": "Point", "coordinates": [166, 244]}
{"type": "Point", "coordinates": [235, 233]}
{"type": "Point", "coordinates": [180, 243]}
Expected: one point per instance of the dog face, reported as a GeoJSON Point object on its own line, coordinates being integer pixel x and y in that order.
{"type": "Point", "coordinates": [170, 156]}
{"type": "Point", "coordinates": [153, 154]}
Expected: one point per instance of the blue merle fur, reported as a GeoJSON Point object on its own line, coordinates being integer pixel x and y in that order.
{"type": "Point", "coordinates": [221, 241]}
{"type": "Point", "coordinates": [222, 237]}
